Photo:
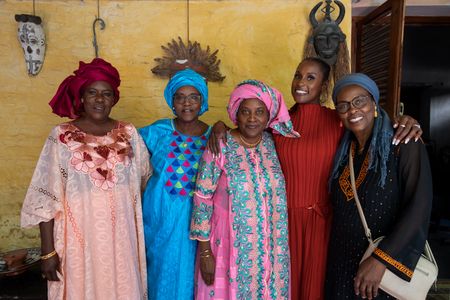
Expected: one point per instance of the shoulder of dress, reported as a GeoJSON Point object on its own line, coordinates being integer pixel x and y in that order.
{"type": "Point", "coordinates": [267, 135]}
{"type": "Point", "coordinates": [161, 123]}
{"type": "Point", "coordinates": [125, 123]}
{"type": "Point", "coordinates": [61, 128]}
{"type": "Point", "coordinates": [412, 148]}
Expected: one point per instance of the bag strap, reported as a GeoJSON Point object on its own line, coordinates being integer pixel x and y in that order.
{"type": "Point", "coordinates": [427, 251]}
{"type": "Point", "coordinates": [355, 194]}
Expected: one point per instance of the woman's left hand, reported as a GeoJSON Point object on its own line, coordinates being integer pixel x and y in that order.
{"type": "Point", "coordinates": [407, 129]}
{"type": "Point", "coordinates": [368, 278]}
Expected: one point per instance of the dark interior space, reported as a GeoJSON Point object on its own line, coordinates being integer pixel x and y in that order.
{"type": "Point", "coordinates": [425, 94]}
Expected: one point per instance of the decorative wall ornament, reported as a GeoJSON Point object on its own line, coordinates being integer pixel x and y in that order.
{"type": "Point", "coordinates": [326, 34]}
{"type": "Point", "coordinates": [32, 39]}
{"type": "Point", "coordinates": [179, 56]}
{"type": "Point", "coordinates": [328, 42]}
{"type": "Point", "coordinates": [102, 27]}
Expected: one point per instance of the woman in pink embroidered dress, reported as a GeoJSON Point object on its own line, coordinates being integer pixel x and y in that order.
{"type": "Point", "coordinates": [240, 214]}
{"type": "Point", "coordinates": [85, 193]}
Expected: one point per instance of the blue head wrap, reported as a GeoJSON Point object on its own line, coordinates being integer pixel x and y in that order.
{"type": "Point", "coordinates": [382, 133]}
{"type": "Point", "coordinates": [187, 77]}
{"type": "Point", "coordinates": [359, 79]}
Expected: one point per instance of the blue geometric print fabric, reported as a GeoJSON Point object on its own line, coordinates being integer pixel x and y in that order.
{"type": "Point", "coordinates": [184, 154]}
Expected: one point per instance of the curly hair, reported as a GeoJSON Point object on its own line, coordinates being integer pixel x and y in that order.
{"type": "Point", "coordinates": [178, 55]}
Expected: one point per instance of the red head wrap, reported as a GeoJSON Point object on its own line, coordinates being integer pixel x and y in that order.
{"type": "Point", "coordinates": [67, 100]}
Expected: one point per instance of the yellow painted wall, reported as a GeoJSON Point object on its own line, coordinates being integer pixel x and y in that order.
{"type": "Point", "coordinates": [256, 39]}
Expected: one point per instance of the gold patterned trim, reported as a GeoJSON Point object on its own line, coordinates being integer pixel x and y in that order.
{"type": "Point", "coordinates": [344, 181]}
{"type": "Point", "coordinates": [398, 265]}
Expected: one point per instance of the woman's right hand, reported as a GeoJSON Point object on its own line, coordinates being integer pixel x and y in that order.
{"type": "Point", "coordinates": [49, 267]}
{"type": "Point", "coordinates": [218, 133]}
{"type": "Point", "coordinates": [207, 268]}
{"type": "Point", "coordinates": [207, 262]}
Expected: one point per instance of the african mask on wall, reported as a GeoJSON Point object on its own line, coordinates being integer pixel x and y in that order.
{"type": "Point", "coordinates": [326, 34]}
{"type": "Point", "coordinates": [32, 38]}
{"type": "Point", "coordinates": [328, 42]}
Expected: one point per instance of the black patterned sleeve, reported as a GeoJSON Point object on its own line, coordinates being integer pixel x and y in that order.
{"type": "Point", "coordinates": [401, 249]}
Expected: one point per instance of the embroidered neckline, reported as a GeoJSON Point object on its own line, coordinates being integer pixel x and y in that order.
{"type": "Point", "coordinates": [117, 125]}
{"type": "Point", "coordinates": [98, 156]}
{"type": "Point", "coordinates": [344, 179]}
{"type": "Point", "coordinates": [204, 134]}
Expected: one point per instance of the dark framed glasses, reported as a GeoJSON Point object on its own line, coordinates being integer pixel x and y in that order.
{"type": "Point", "coordinates": [357, 102]}
{"type": "Point", "coordinates": [191, 98]}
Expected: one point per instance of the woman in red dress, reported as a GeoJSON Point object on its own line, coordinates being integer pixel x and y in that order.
{"type": "Point", "coordinates": [306, 164]}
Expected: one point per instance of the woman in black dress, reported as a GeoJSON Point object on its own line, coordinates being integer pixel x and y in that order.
{"type": "Point", "coordinates": [395, 190]}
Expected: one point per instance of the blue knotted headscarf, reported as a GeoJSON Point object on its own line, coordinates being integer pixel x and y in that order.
{"type": "Point", "coordinates": [382, 132]}
{"type": "Point", "coordinates": [187, 77]}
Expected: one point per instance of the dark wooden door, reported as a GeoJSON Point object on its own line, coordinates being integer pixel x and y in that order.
{"type": "Point", "coordinates": [377, 44]}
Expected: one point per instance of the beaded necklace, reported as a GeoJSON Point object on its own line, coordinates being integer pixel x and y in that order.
{"type": "Point", "coordinates": [247, 144]}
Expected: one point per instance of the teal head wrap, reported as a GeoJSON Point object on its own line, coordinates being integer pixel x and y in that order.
{"type": "Point", "coordinates": [187, 77]}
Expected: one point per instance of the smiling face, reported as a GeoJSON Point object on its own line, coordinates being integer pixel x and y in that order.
{"type": "Point", "coordinates": [307, 82]}
{"type": "Point", "coordinates": [358, 120]}
{"type": "Point", "coordinates": [98, 99]}
{"type": "Point", "coordinates": [187, 102]}
{"type": "Point", "coordinates": [252, 118]}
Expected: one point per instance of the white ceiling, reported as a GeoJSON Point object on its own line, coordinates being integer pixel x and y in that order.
{"type": "Point", "coordinates": [364, 3]}
{"type": "Point", "coordinates": [413, 7]}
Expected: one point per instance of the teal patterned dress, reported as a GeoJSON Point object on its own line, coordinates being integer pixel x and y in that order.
{"type": "Point", "coordinates": [167, 205]}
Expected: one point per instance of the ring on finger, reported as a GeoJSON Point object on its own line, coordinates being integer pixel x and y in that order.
{"type": "Point", "coordinates": [417, 125]}
{"type": "Point", "coordinates": [402, 125]}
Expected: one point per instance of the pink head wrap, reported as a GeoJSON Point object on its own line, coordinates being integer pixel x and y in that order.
{"type": "Point", "coordinates": [279, 119]}
{"type": "Point", "coordinates": [67, 100]}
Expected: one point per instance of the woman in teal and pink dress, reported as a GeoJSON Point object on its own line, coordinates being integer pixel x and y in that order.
{"type": "Point", "coordinates": [240, 214]}
{"type": "Point", "coordinates": [175, 146]}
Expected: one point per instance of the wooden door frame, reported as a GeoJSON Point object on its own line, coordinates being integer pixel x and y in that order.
{"type": "Point", "coordinates": [409, 20]}
{"type": "Point", "coordinates": [394, 87]}
{"type": "Point", "coordinates": [397, 8]}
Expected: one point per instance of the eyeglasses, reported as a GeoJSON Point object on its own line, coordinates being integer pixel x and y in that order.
{"type": "Point", "coordinates": [191, 98]}
{"type": "Point", "coordinates": [357, 102]}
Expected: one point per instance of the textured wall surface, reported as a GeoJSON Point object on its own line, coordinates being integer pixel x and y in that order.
{"type": "Point", "coordinates": [256, 39]}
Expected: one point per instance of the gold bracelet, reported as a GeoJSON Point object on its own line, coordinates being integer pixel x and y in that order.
{"type": "Point", "coordinates": [205, 251]}
{"type": "Point", "coordinates": [205, 256]}
{"type": "Point", "coordinates": [49, 255]}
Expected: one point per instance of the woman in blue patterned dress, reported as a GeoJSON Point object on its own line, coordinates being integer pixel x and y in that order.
{"type": "Point", "coordinates": [175, 146]}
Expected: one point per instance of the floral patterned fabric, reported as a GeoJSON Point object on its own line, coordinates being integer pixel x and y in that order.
{"type": "Point", "coordinates": [167, 207]}
{"type": "Point", "coordinates": [91, 185]}
{"type": "Point", "coordinates": [240, 207]}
